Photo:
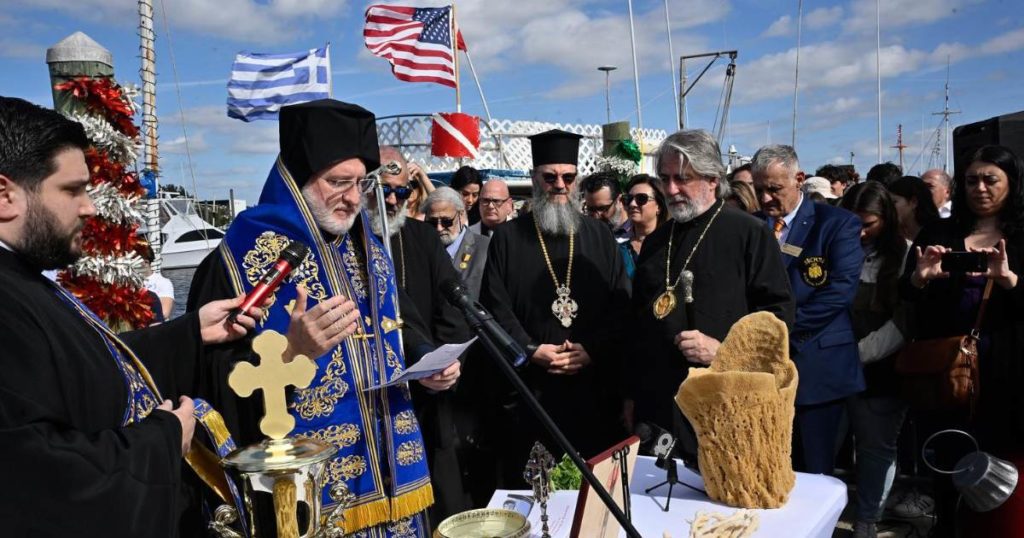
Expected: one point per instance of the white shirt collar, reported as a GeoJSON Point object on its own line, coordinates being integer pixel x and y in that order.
{"type": "Point", "coordinates": [788, 219]}
{"type": "Point", "coordinates": [5, 245]}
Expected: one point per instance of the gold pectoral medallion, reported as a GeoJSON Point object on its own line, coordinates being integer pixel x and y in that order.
{"type": "Point", "coordinates": [564, 308]}
{"type": "Point", "coordinates": [664, 304]}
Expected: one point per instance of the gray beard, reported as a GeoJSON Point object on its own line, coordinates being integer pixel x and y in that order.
{"type": "Point", "coordinates": [689, 211]}
{"type": "Point", "coordinates": [395, 222]}
{"type": "Point", "coordinates": [557, 219]}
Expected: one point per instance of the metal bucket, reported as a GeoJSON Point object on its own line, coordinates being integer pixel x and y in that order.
{"type": "Point", "coordinates": [984, 481]}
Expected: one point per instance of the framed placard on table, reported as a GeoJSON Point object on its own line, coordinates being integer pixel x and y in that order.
{"type": "Point", "coordinates": [593, 519]}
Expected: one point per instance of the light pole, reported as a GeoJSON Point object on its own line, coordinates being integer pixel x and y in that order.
{"type": "Point", "coordinates": [607, 89]}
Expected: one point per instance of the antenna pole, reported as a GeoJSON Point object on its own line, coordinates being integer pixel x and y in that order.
{"type": "Point", "coordinates": [796, 72]}
{"type": "Point", "coordinates": [946, 113]}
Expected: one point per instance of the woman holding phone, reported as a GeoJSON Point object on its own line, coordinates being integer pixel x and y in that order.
{"type": "Point", "coordinates": [987, 219]}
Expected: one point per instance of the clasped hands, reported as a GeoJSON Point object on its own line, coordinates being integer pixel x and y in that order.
{"type": "Point", "coordinates": [929, 265]}
{"type": "Point", "coordinates": [566, 358]}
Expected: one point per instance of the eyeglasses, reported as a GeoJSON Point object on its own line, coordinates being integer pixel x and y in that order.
{"type": "Point", "coordinates": [640, 198]}
{"type": "Point", "coordinates": [595, 209]}
{"type": "Point", "coordinates": [445, 222]}
{"type": "Point", "coordinates": [344, 185]}
{"type": "Point", "coordinates": [402, 193]}
{"type": "Point", "coordinates": [551, 177]}
{"type": "Point", "coordinates": [492, 202]}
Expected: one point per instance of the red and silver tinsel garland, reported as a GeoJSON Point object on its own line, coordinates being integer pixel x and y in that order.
{"type": "Point", "coordinates": [108, 278]}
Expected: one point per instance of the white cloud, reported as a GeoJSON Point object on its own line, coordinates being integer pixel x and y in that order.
{"type": "Point", "coordinates": [1010, 41]}
{"type": "Point", "coordinates": [196, 144]}
{"type": "Point", "coordinates": [250, 21]}
{"type": "Point", "coordinates": [15, 48]}
{"type": "Point", "coordinates": [823, 17]}
{"type": "Point", "coordinates": [848, 62]}
{"type": "Point", "coordinates": [575, 37]}
{"type": "Point", "coordinates": [899, 13]}
{"type": "Point", "coordinates": [841, 105]}
{"type": "Point", "coordinates": [783, 26]}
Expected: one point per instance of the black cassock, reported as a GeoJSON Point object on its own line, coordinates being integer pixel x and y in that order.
{"type": "Point", "coordinates": [519, 291]}
{"type": "Point", "coordinates": [69, 468]}
{"type": "Point", "coordinates": [421, 266]}
{"type": "Point", "coordinates": [737, 270]}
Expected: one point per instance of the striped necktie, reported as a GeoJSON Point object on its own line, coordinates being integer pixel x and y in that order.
{"type": "Point", "coordinates": [779, 225]}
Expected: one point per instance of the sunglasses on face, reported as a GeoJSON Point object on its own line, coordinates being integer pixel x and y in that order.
{"type": "Point", "coordinates": [445, 222]}
{"type": "Point", "coordinates": [551, 177]}
{"type": "Point", "coordinates": [595, 209]}
{"type": "Point", "coordinates": [640, 198]}
{"type": "Point", "coordinates": [401, 193]}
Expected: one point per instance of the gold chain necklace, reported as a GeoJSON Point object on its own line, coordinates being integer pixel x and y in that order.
{"type": "Point", "coordinates": [666, 302]}
{"type": "Point", "coordinates": [564, 307]}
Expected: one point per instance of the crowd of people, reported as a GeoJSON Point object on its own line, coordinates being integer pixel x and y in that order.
{"type": "Point", "coordinates": [615, 287]}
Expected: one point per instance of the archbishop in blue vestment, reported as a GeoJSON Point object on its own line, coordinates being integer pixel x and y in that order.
{"type": "Point", "coordinates": [310, 197]}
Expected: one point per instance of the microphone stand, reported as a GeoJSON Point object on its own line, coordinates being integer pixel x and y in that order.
{"type": "Point", "coordinates": [549, 424]}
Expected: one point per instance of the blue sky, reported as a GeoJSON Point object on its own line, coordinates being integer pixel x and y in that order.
{"type": "Point", "coordinates": [537, 60]}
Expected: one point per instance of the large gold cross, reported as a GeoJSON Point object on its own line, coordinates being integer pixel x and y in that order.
{"type": "Point", "coordinates": [272, 376]}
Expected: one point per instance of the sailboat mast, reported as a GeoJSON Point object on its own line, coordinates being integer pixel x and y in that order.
{"type": "Point", "coordinates": [672, 63]}
{"type": "Point", "coordinates": [147, 72]}
{"type": "Point", "coordinates": [946, 113]}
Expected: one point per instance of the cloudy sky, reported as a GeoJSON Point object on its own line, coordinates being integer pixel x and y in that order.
{"type": "Point", "coordinates": [537, 60]}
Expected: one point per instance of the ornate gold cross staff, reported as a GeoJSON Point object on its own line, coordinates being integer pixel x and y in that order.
{"type": "Point", "coordinates": [272, 375]}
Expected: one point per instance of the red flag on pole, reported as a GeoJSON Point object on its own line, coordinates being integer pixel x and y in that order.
{"type": "Point", "coordinates": [454, 134]}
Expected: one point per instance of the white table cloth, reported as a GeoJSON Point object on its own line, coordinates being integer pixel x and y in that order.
{"type": "Point", "coordinates": [812, 510]}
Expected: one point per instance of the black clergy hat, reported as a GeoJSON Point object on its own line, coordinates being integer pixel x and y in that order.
{"type": "Point", "coordinates": [320, 133]}
{"type": "Point", "coordinates": [555, 147]}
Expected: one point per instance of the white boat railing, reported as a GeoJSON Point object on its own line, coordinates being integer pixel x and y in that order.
{"type": "Point", "coordinates": [410, 133]}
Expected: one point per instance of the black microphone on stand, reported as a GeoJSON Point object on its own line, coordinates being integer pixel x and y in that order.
{"type": "Point", "coordinates": [478, 316]}
{"type": "Point", "coordinates": [661, 444]}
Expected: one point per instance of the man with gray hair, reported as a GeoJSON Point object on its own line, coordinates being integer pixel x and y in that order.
{"type": "Point", "coordinates": [940, 185]}
{"type": "Point", "coordinates": [822, 256]}
{"type": "Point", "coordinates": [555, 280]}
{"type": "Point", "coordinates": [724, 259]}
{"type": "Point", "coordinates": [446, 212]}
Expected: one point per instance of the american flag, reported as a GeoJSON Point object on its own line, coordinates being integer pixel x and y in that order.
{"type": "Point", "coordinates": [417, 41]}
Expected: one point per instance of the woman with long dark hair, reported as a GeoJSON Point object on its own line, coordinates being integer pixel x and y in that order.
{"type": "Point", "coordinates": [987, 217]}
{"type": "Point", "coordinates": [914, 205]}
{"type": "Point", "coordinates": [876, 414]}
{"type": "Point", "coordinates": [646, 208]}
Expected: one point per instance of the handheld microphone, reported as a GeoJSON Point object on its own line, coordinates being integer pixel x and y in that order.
{"type": "Point", "coordinates": [480, 318]}
{"type": "Point", "coordinates": [291, 257]}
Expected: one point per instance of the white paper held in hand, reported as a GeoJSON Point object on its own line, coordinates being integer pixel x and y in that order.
{"type": "Point", "coordinates": [431, 363]}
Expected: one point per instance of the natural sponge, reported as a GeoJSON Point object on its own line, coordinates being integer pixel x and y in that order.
{"type": "Point", "coordinates": [742, 410]}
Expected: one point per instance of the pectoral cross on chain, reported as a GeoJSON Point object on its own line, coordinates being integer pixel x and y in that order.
{"type": "Point", "coordinates": [272, 376]}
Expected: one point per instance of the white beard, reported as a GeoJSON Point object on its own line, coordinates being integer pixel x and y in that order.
{"type": "Point", "coordinates": [557, 219]}
{"type": "Point", "coordinates": [395, 222]}
{"type": "Point", "coordinates": [324, 216]}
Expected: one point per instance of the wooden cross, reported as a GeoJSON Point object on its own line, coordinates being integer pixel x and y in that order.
{"type": "Point", "coordinates": [272, 376]}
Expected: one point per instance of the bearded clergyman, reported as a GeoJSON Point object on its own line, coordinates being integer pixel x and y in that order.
{"type": "Point", "coordinates": [421, 265]}
{"type": "Point", "coordinates": [340, 308]}
{"type": "Point", "coordinates": [697, 275]}
{"type": "Point", "coordinates": [555, 280]}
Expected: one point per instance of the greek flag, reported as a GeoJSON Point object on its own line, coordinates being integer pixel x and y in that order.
{"type": "Point", "coordinates": [262, 83]}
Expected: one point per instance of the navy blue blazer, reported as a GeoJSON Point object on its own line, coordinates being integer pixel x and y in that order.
{"type": "Point", "coordinates": [823, 259]}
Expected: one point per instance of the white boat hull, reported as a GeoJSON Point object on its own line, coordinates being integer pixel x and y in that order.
{"type": "Point", "coordinates": [187, 258]}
